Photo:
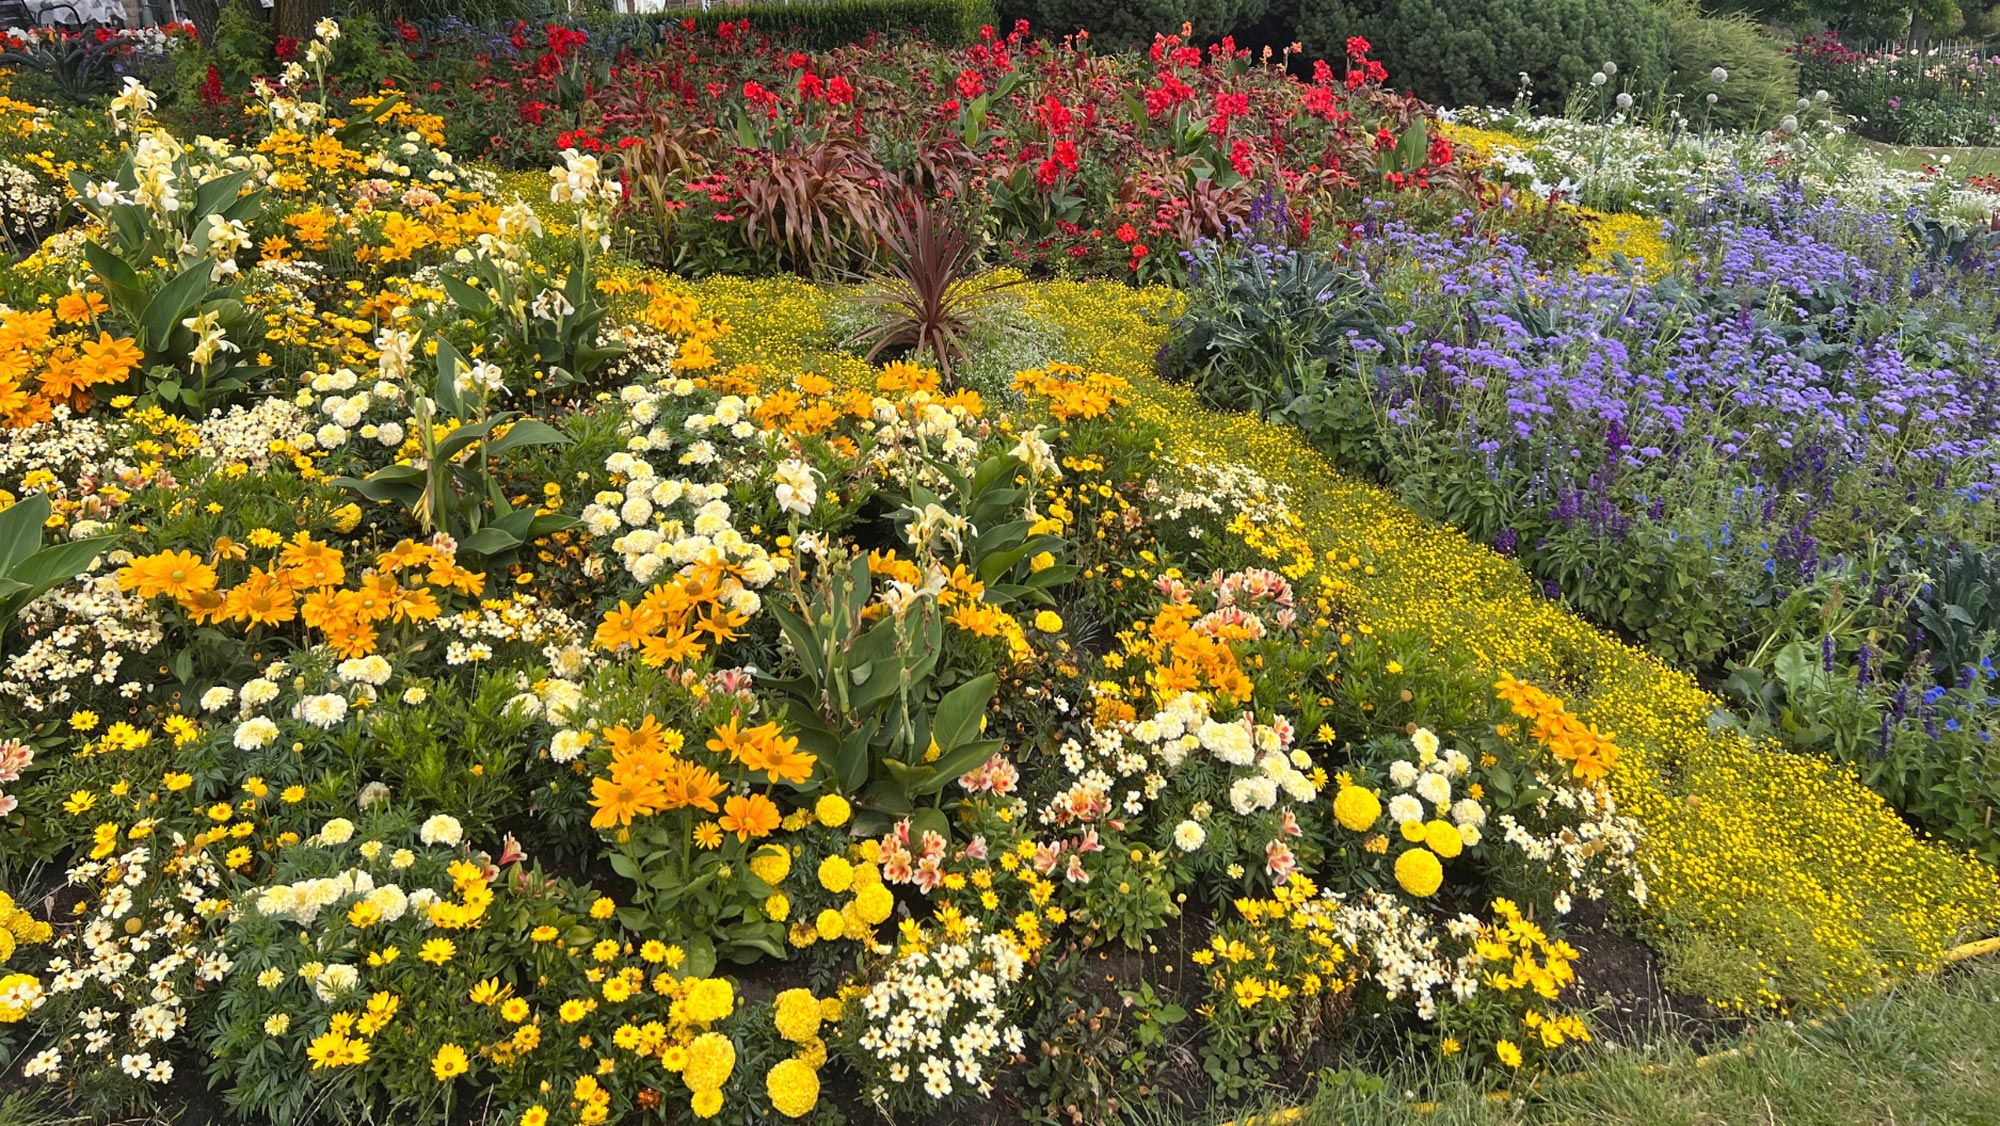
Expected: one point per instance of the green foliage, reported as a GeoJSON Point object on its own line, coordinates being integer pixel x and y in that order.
{"type": "Point", "coordinates": [1266, 324]}
{"type": "Point", "coordinates": [73, 69]}
{"type": "Point", "coordinates": [177, 310]}
{"type": "Point", "coordinates": [836, 24]}
{"type": "Point", "coordinates": [1467, 52]}
{"type": "Point", "coordinates": [868, 700]}
{"type": "Point", "coordinates": [1763, 80]}
{"type": "Point", "coordinates": [27, 569]}
{"type": "Point", "coordinates": [1125, 24]}
{"type": "Point", "coordinates": [454, 486]}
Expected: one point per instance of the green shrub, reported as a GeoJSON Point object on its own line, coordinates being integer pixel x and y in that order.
{"type": "Point", "coordinates": [840, 22]}
{"type": "Point", "coordinates": [1763, 80]}
{"type": "Point", "coordinates": [1473, 52]}
{"type": "Point", "coordinates": [1133, 23]}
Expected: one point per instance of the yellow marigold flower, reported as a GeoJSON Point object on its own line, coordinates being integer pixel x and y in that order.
{"type": "Point", "coordinates": [710, 1059]}
{"type": "Point", "coordinates": [793, 1087]}
{"type": "Point", "coordinates": [836, 874]}
{"type": "Point", "coordinates": [772, 863]}
{"type": "Point", "coordinates": [874, 903]}
{"type": "Point", "coordinates": [796, 1014]}
{"type": "Point", "coordinates": [1442, 837]}
{"type": "Point", "coordinates": [1419, 872]}
{"type": "Point", "coordinates": [1357, 808]}
{"type": "Point", "coordinates": [832, 810]}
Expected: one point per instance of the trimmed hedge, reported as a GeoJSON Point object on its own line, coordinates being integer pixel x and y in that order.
{"type": "Point", "coordinates": [1131, 24]}
{"type": "Point", "coordinates": [822, 26]}
{"type": "Point", "coordinates": [1460, 52]}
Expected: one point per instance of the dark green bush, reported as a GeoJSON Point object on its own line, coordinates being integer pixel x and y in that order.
{"type": "Point", "coordinates": [840, 22]}
{"type": "Point", "coordinates": [1460, 52]}
{"type": "Point", "coordinates": [1763, 80]}
{"type": "Point", "coordinates": [1133, 23]}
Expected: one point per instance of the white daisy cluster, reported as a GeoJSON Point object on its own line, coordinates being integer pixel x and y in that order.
{"type": "Point", "coordinates": [125, 978]}
{"type": "Point", "coordinates": [25, 207]}
{"type": "Point", "coordinates": [935, 1016]}
{"type": "Point", "coordinates": [522, 619]}
{"type": "Point", "coordinates": [1133, 760]}
{"type": "Point", "coordinates": [1591, 848]}
{"type": "Point", "coordinates": [1201, 494]}
{"type": "Point", "coordinates": [1404, 951]}
{"type": "Point", "coordinates": [247, 435]}
{"type": "Point", "coordinates": [77, 634]}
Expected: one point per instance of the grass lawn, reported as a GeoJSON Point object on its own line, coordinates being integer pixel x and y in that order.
{"type": "Point", "coordinates": [1965, 161]}
{"type": "Point", "coordinates": [1927, 1052]}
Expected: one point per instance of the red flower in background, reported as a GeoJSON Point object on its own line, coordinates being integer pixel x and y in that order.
{"type": "Point", "coordinates": [760, 98]}
{"type": "Point", "coordinates": [1241, 159]}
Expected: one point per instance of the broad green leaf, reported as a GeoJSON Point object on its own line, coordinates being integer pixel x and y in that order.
{"type": "Point", "coordinates": [958, 713]}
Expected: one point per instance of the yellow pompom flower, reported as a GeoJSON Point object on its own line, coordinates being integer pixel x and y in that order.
{"type": "Point", "coordinates": [832, 811]}
{"type": "Point", "coordinates": [1357, 808]}
{"type": "Point", "coordinates": [836, 874]}
{"type": "Point", "coordinates": [829, 924]}
{"type": "Point", "coordinates": [796, 1014]}
{"type": "Point", "coordinates": [706, 1001]}
{"type": "Point", "coordinates": [710, 1059]}
{"type": "Point", "coordinates": [772, 863]}
{"type": "Point", "coordinates": [793, 1088]}
{"type": "Point", "coordinates": [874, 903]}
{"type": "Point", "coordinates": [1419, 872]}
{"type": "Point", "coordinates": [1442, 838]}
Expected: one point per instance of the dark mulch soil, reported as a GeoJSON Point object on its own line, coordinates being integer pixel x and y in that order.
{"type": "Point", "coordinates": [1619, 980]}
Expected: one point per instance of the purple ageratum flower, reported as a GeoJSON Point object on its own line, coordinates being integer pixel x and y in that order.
{"type": "Point", "coordinates": [1506, 540]}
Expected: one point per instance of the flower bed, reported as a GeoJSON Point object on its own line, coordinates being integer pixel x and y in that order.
{"type": "Point", "coordinates": [1934, 98]}
{"type": "Point", "coordinates": [742, 152]}
{"type": "Point", "coordinates": [1697, 439]}
{"type": "Point", "coordinates": [452, 671]}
